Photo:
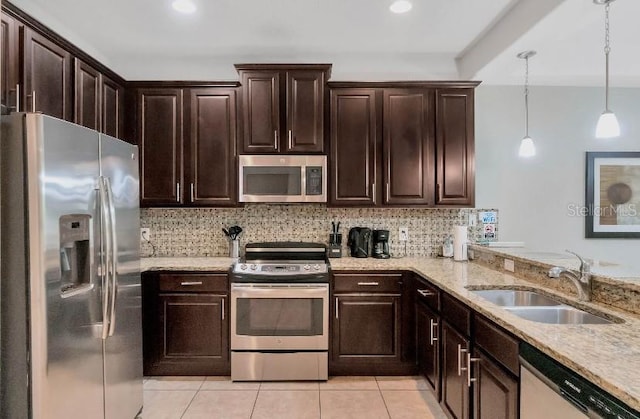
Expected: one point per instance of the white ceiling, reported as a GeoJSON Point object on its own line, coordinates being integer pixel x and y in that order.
{"type": "Point", "coordinates": [451, 39]}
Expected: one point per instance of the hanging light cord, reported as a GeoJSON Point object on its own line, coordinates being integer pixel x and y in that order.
{"type": "Point", "coordinates": [526, 97]}
{"type": "Point", "coordinates": [607, 50]}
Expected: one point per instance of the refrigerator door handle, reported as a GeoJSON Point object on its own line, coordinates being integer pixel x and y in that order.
{"type": "Point", "coordinates": [105, 245]}
{"type": "Point", "coordinates": [114, 257]}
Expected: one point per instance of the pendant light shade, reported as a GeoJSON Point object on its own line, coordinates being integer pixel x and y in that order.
{"type": "Point", "coordinates": [608, 126]}
{"type": "Point", "coordinates": [527, 147]}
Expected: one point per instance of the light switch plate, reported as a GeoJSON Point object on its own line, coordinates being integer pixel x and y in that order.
{"type": "Point", "coordinates": [509, 265]}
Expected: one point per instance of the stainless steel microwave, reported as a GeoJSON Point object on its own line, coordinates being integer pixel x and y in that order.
{"type": "Point", "coordinates": [282, 178]}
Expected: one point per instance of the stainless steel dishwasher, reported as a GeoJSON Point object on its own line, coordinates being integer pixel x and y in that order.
{"type": "Point", "coordinates": [551, 391]}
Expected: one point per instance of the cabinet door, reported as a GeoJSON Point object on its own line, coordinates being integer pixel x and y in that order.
{"type": "Point", "coordinates": [193, 334]}
{"type": "Point", "coordinates": [112, 107]}
{"type": "Point", "coordinates": [48, 83]}
{"type": "Point", "coordinates": [160, 143]}
{"type": "Point", "coordinates": [455, 390]}
{"type": "Point", "coordinates": [305, 111]}
{"type": "Point", "coordinates": [87, 96]}
{"type": "Point", "coordinates": [353, 147]}
{"type": "Point", "coordinates": [495, 390]}
{"type": "Point", "coordinates": [408, 146]}
{"type": "Point", "coordinates": [366, 327]}
{"type": "Point", "coordinates": [428, 346]}
{"type": "Point", "coordinates": [455, 173]}
{"type": "Point", "coordinates": [10, 62]}
{"type": "Point", "coordinates": [261, 112]}
{"type": "Point", "coordinates": [213, 172]}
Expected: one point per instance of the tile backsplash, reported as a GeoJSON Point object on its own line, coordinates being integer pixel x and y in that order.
{"type": "Point", "coordinates": [198, 231]}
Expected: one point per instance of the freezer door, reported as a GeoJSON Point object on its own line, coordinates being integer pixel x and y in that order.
{"type": "Point", "coordinates": [64, 288]}
{"type": "Point", "coordinates": [123, 346]}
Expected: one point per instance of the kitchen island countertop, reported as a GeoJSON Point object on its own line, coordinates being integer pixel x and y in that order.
{"type": "Point", "coordinates": [607, 355]}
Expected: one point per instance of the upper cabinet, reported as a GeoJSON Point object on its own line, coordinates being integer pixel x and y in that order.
{"type": "Point", "coordinates": [402, 144]}
{"type": "Point", "coordinates": [47, 79]}
{"type": "Point", "coordinates": [187, 137]}
{"type": "Point", "coordinates": [283, 107]}
{"type": "Point", "coordinates": [42, 72]}
{"type": "Point", "coordinates": [455, 155]}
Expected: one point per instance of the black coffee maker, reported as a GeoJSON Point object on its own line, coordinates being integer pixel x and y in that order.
{"type": "Point", "coordinates": [381, 244]}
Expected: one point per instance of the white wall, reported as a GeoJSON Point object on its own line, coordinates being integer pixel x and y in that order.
{"type": "Point", "coordinates": [533, 195]}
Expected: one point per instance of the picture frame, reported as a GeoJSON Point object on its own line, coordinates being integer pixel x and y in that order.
{"type": "Point", "coordinates": [612, 207]}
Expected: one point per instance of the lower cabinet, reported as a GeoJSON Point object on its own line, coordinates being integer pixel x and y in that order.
{"type": "Point", "coordinates": [368, 325]}
{"type": "Point", "coordinates": [455, 385]}
{"type": "Point", "coordinates": [186, 324]}
{"type": "Point", "coordinates": [495, 391]}
{"type": "Point", "coordinates": [428, 346]}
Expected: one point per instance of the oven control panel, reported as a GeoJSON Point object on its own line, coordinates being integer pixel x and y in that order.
{"type": "Point", "coordinates": [283, 269]}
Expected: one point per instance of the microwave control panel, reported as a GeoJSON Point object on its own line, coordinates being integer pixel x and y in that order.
{"type": "Point", "coordinates": [314, 180]}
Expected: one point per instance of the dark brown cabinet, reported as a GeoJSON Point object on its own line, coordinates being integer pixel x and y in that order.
{"type": "Point", "coordinates": [186, 326]}
{"type": "Point", "coordinates": [212, 174]}
{"type": "Point", "coordinates": [495, 390]}
{"type": "Point", "coordinates": [455, 155]}
{"type": "Point", "coordinates": [283, 108]}
{"type": "Point", "coordinates": [402, 144]}
{"type": "Point", "coordinates": [408, 147]}
{"type": "Point", "coordinates": [112, 107]}
{"type": "Point", "coordinates": [47, 76]}
{"type": "Point", "coordinates": [455, 386]}
{"type": "Point", "coordinates": [428, 346]}
{"type": "Point", "coordinates": [353, 147]}
{"type": "Point", "coordinates": [187, 137]}
{"type": "Point", "coordinates": [160, 143]}
{"type": "Point", "coordinates": [368, 330]}
{"type": "Point", "coordinates": [10, 62]}
{"type": "Point", "coordinates": [87, 96]}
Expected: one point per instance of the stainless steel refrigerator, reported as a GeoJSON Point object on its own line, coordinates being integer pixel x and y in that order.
{"type": "Point", "coordinates": [71, 299]}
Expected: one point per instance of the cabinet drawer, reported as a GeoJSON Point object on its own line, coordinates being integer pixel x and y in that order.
{"type": "Point", "coordinates": [456, 313]}
{"type": "Point", "coordinates": [194, 283]}
{"type": "Point", "coordinates": [428, 294]}
{"type": "Point", "coordinates": [369, 283]}
{"type": "Point", "coordinates": [497, 343]}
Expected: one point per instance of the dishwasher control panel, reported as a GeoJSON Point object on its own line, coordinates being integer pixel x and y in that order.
{"type": "Point", "coordinates": [583, 394]}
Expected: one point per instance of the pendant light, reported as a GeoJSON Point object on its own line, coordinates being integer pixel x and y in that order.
{"type": "Point", "coordinates": [527, 148]}
{"type": "Point", "coordinates": [608, 126]}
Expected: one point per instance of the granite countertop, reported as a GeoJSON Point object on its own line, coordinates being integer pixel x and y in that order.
{"type": "Point", "coordinates": [607, 355]}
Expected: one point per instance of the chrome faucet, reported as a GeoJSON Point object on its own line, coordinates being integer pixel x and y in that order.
{"type": "Point", "coordinates": [581, 279]}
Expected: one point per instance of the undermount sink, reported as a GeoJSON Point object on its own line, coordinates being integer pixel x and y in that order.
{"type": "Point", "coordinates": [516, 298]}
{"type": "Point", "coordinates": [536, 307]}
{"type": "Point", "coordinates": [561, 314]}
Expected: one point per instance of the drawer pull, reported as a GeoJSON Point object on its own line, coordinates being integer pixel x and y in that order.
{"type": "Point", "coordinates": [426, 293]}
{"type": "Point", "coordinates": [187, 283]}
{"type": "Point", "coordinates": [433, 332]}
{"type": "Point", "coordinates": [368, 284]}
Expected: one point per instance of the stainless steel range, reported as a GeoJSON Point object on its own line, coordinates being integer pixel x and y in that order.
{"type": "Point", "coordinates": [280, 313]}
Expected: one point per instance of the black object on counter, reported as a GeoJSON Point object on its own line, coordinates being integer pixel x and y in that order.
{"type": "Point", "coordinates": [360, 242]}
{"type": "Point", "coordinates": [381, 244]}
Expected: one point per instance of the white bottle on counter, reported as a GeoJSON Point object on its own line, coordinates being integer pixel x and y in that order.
{"type": "Point", "coordinates": [460, 243]}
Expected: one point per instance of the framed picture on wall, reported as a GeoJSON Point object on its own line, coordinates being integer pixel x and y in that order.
{"type": "Point", "coordinates": [613, 195]}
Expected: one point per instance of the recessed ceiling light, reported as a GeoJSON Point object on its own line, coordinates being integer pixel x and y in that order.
{"type": "Point", "coordinates": [184, 6]}
{"type": "Point", "coordinates": [400, 6]}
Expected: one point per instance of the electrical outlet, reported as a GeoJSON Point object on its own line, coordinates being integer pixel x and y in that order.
{"type": "Point", "coordinates": [145, 234]}
{"type": "Point", "coordinates": [403, 233]}
{"type": "Point", "coordinates": [509, 265]}
{"type": "Point", "coordinates": [473, 220]}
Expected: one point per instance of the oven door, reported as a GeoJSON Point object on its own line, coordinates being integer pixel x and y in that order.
{"type": "Point", "coordinates": [279, 317]}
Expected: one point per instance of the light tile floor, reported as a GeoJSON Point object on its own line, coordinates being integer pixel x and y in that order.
{"type": "Point", "coordinates": [338, 398]}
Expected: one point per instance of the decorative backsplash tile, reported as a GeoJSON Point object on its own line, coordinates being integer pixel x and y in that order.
{"type": "Point", "coordinates": [198, 231]}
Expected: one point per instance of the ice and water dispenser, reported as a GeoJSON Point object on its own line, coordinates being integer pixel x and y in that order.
{"type": "Point", "coordinates": [76, 253]}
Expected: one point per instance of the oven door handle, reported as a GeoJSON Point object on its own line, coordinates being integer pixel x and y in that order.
{"type": "Point", "coordinates": [288, 291]}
